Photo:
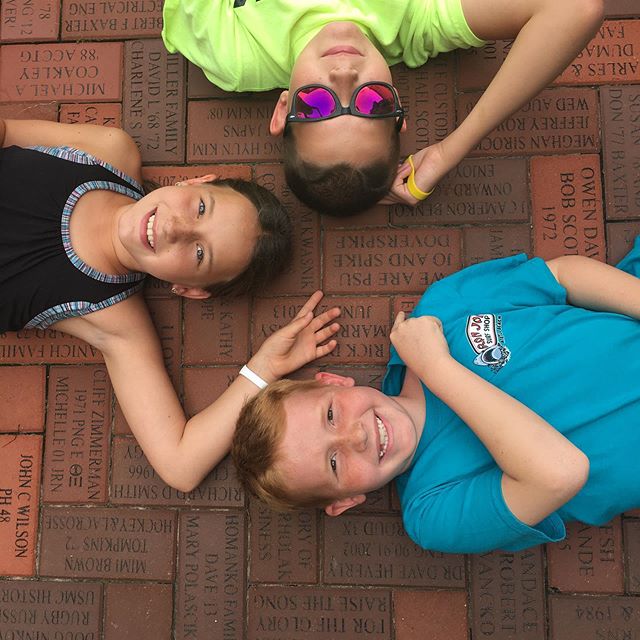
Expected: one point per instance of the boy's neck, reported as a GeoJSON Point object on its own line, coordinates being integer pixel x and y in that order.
{"type": "Point", "coordinates": [411, 397]}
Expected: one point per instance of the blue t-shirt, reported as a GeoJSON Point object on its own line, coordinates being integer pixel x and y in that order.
{"type": "Point", "coordinates": [508, 320]}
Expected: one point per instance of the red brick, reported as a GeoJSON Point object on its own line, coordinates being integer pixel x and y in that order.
{"type": "Point", "coordinates": [82, 542]}
{"type": "Point", "coordinates": [631, 532]}
{"type": "Point", "coordinates": [588, 559]}
{"type": "Point", "coordinates": [32, 20]}
{"type": "Point", "coordinates": [428, 100]}
{"type": "Point", "coordinates": [19, 499]}
{"type": "Point", "coordinates": [582, 617]}
{"type": "Point", "coordinates": [216, 331]}
{"type": "Point", "coordinates": [620, 239]}
{"type": "Point", "coordinates": [99, 20]}
{"type": "Point", "coordinates": [77, 435]}
{"type": "Point", "coordinates": [167, 176]}
{"type": "Point", "coordinates": [612, 56]}
{"type": "Point", "coordinates": [137, 611]}
{"type": "Point", "coordinates": [153, 109]}
{"type": "Point", "coordinates": [108, 114]}
{"type": "Point", "coordinates": [22, 398]}
{"type": "Point", "coordinates": [362, 339]}
{"type": "Point", "coordinates": [210, 582]}
{"type": "Point", "coordinates": [404, 303]}
{"type": "Point", "coordinates": [135, 482]}
{"type": "Point", "coordinates": [389, 260]}
{"type": "Point", "coordinates": [203, 386]}
{"type": "Point", "coordinates": [92, 72]}
{"type": "Point", "coordinates": [200, 87]}
{"type": "Point", "coordinates": [231, 131]}
{"type": "Point", "coordinates": [476, 191]}
{"type": "Point", "coordinates": [430, 615]}
{"type": "Point", "coordinates": [567, 207]}
{"type": "Point", "coordinates": [44, 608]}
{"type": "Point", "coordinates": [318, 613]}
{"type": "Point", "coordinates": [621, 150]}
{"type": "Point", "coordinates": [487, 243]}
{"type": "Point", "coordinates": [507, 595]}
{"type": "Point", "coordinates": [615, 8]}
{"type": "Point", "coordinates": [556, 121]}
{"type": "Point", "coordinates": [29, 111]}
{"type": "Point", "coordinates": [477, 66]}
{"type": "Point", "coordinates": [375, 550]}
{"type": "Point", "coordinates": [284, 545]}
{"type": "Point", "coordinates": [303, 274]}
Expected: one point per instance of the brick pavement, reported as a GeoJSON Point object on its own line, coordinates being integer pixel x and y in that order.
{"type": "Point", "coordinates": [94, 546]}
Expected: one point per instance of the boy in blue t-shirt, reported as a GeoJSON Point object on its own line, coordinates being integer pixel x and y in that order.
{"type": "Point", "coordinates": [513, 411]}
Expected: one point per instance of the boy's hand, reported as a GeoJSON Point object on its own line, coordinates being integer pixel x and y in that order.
{"type": "Point", "coordinates": [304, 339]}
{"type": "Point", "coordinates": [420, 343]}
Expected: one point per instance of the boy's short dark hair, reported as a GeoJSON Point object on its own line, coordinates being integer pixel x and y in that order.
{"type": "Point", "coordinates": [340, 190]}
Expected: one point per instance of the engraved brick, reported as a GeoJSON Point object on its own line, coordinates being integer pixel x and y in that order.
{"type": "Point", "coordinates": [30, 20]}
{"type": "Point", "coordinates": [216, 331]}
{"type": "Point", "coordinates": [29, 111]}
{"type": "Point", "coordinates": [621, 150]}
{"type": "Point", "coordinates": [166, 318]}
{"type": "Point", "coordinates": [620, 239]}
{"type": "Point", "coordinates": [203, 386]}
{"type": "Point", "coordinates": [582, 617]}
{"type": "Point", "coordinates": [210, 582]}
{"type": "Point", "coordinates": [427, 96]}
{"type": "Point", "coordinates": [612, 56]}
{"type": "Point", "coordinates": [376, 550]}
{"type": "Point", "coordinates": [487, 243]}
{"type": "Point", "coordinates": [478, 190]}
{"type": "Point", "coordinates": [200, 87]}
{"type": "Point", "coordinates": [404, 303]}
{"type": "Point", "coordinates": [48, 609]}
{"type": "Point", "coordinates": [283, 545]}
{"type": "Point", "coordinates": [632, 554]}
{"type": "Point", "coordinates": [88, 72]}
{"type": "Point", "coordinates": [389, 260]}
{"type": "Point", "coordinates": [588, 559]}
{"type": "Point", "coordinates": [19, 499]}
{"type": "Point", "coordinates": [303, 273]}
{"type": "Point", "coordinates": [507, 595]}
{"type": "Point", "coordinates": [77, 435]}
{"type": "Point", "coordinates": [430, 615]}
{"type": "Point", "coordinates": [154, 98]}
{"type": "Point", "coordinates": [135, 482]}
{"type": "Point", "coordinates": [108, 114]}
{"type": "Point", "coordinates": [137, 611]}
{"type": "Point", "coordinates": [567, 207]}
{"type": "Point", "coordinates": [276, 613]}
{"type": "Point", "coordinates": [477, 66]}
{"type": "Point", "coordinates": [111, 19]}
{"type": "Point", "coordinates": [78, 542]}
{"type": "Point", "coordinates": [615, 8]}
{"type": "Point", "coordinates": [556, 121]}
{"type": "Point", "coordinates": [22, 398]}
{"type": "Point", "coordinates": [231, 131]}
{"type": "Point", "coordinates": [362, 339]}
{"type": "Point", "coordinates": [40, 346]}
{"type": "Point", "coordinates": [167, 176]}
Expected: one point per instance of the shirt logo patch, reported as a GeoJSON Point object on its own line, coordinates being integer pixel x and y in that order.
{"type": "Point", "coordinates": [484, 332]}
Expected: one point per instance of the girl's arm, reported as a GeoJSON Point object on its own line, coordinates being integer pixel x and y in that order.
{"type": "Point", "coordinates": [112, 145]}
{"type": "Point", "coordinates": [542, 470]}
{"type": "Point", "coordinates": [548, 36]}
{"type": "Point", "coordinates": [184, 451]}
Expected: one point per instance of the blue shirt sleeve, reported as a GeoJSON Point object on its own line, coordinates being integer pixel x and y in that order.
{"type": "Point", "coordinates": [471, 516]}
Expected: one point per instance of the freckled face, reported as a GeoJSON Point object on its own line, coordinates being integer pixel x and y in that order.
{"type": "Point", "coordinates": [345, 441]}
{"type": "Point", "coordinates": [194, 235]}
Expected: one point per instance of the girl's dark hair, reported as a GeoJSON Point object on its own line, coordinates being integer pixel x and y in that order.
{"type": "Point", "coordinates": [273, 246]}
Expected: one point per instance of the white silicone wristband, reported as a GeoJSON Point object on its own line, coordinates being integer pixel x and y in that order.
{"type": "Point", "coordinates": [253, 377]}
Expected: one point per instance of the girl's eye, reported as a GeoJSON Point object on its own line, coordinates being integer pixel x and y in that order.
{"type": "Point", "coordinates": [333, 463]}
{"type": "Point", "coordinates": [201, 208]}
{"type": "Point", "coordinates": [330, 415]}
{"type": "Point", "coordinates": [199, 253]}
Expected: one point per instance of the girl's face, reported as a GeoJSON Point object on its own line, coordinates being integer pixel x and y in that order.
{"type": "Point", "coordinates": [191, 235]}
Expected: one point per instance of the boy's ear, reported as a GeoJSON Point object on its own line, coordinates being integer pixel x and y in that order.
{"type": "Point", "coordinates": [199, 180]}
{"type": "Point", "coordinates": [342, 505]}
{"type": "Point", "coordinates": [333, 378]}
{"type": "Point", "coordinates": [403, 128]}
{"type": "Point", "coordinates": [279, 115]}
{"type": "Point", "coordinates": [193, 293]}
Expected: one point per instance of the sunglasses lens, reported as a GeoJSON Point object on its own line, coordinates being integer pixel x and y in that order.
{"type": "Point", "coordinates": [314, 102]}
{"type": "Point", "coordinates": [375, 99]}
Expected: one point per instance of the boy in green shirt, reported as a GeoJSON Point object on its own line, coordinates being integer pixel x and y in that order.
{"type": "Point", "coordinates": [325, 50]}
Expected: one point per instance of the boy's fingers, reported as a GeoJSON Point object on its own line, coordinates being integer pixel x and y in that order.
{"type": "Point", "coordinates": [323, 318]}
{"type": "Point", "coordinates": [310, 304]}
{"type": "Point", "coordinates": [327, 332]}
{"type": "Point", "coordinates": [324, 349]}
{"type": "Point", "coordinates": [399, 319]}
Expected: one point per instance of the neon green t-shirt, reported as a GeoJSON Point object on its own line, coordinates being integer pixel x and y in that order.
{"type": "Point", "coordinates": [251, 45]}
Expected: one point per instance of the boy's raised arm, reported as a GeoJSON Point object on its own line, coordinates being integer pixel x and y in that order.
{"type": "Point", "coordinates": [548, 35]}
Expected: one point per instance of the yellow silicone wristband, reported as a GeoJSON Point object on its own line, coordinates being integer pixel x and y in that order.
{"type": "Point", "coordinates": [414, 189]}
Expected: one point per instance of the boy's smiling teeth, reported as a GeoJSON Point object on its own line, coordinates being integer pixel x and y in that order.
{"type": "Point", "coordinates": [150, 237]}
{"type": "Point", "coordinates": [384, 437]}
